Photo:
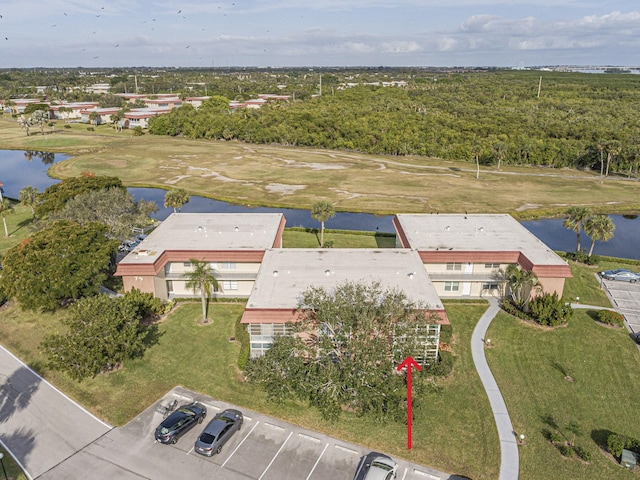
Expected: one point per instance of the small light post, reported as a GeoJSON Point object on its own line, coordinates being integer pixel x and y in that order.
{"type": "Point", "coordinates": [2, 463]}
{"type": "Point", "coordinates": [487, 342]}
{"type": "Point", "coordinates": [521, 437]}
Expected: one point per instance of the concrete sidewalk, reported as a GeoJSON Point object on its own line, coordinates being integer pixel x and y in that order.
{"type": "Point", "coordinates": [509, 459]}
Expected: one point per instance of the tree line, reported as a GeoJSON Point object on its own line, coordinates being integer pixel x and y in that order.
{"type": "Point", "coordinates": [577, 121]}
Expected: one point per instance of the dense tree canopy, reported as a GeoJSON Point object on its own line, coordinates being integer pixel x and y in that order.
{"type": "Point", "coordinates": [56, 196]}
{"type": "Point", "coordinates": [351, 341]}
{"type": "Point", "coordinates": [64, 262]}
{"type": "Point", "coordinates": [101, 333]}
{"type": "Point", "coordinates": [578, 120]}
{"type": "Point", "coordinates": [114, 207]}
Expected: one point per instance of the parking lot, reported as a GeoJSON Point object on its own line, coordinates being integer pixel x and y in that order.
{"type": "Point", "coordinates": [624, 297]}
{"type": "Point", "coordinates": [264, 449]}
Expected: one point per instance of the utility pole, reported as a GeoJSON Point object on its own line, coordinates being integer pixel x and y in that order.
{"type": "Point", "coordinates": [539, 86]}
{"type": "Point", "coordinates": [135, 78]}
{"type": "Point", "coordinates": [320, 84]}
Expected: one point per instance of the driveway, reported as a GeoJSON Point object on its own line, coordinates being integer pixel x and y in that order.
{"type": "Point", "coordinates": [264, 449]}
{"type": "Point", "coordinates": [39, 425]}
{"type": "Point", "coordinates": [625, 298]}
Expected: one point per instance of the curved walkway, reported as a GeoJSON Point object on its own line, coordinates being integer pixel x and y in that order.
{"type": "Point", "coordinates": [509, 459]}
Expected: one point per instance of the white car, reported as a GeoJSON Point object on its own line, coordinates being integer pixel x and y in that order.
{"type": "Point", "coordinates": [376, 466]}
{"type": "Point", "coordinates": [621, 274]}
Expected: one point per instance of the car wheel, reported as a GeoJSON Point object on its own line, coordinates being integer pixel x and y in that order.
{"type": "Point", "coordinates": [174, 440]}
{"type": "Point", "coordinates": [219, 449]}
{"type": "Point", "coordinates": [201, 419]}
{"type": "Point", "coordinates": [632, 281]}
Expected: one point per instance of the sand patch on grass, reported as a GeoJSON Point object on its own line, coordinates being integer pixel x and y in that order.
{"type": "Point", "coordinates": [283, 189]}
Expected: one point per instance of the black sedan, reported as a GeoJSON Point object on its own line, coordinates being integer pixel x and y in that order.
{"type": "Point", "coordinates": [180, 422]}
{"type": "Point", "coordinates": [219, 430]}
{"type": "Point", "coordinates": [376, 466]}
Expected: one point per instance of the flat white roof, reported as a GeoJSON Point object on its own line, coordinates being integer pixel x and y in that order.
{"type": "Point", "coordinates": [475, 232]}
{"type": "Point", "coordinates": [208, 231]}
{"type": "Point", "coordinates": [286, 273]}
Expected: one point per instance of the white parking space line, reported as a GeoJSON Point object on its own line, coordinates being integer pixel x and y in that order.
{"type": "Point", "coordinates": [426, 475]}
{"type": "Point", "coordinates": [317, 461]}
{"type": "Point", "coordinates": [404, 475]}
{"type": "Point", "coordinates": [240, 444]}
{"type": "Point", "coordinates": [276, 427]}
{"type": "Point", "coordinates": [276, 455]}
{"type": "Point", "coordinates": [184, 397]}
{"type": "Point", "coordinates": [309, 437]}
{"type": "Point", "coordinates": [191, 450]}
{"type": "Point", "coordinates": [345, 449]}
{"type": "Point", "coordinates": [213, 407]}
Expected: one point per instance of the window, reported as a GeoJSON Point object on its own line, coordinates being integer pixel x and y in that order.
{"type": "Point", "coordinates": [262, 335]}
{"type": "Point", "coordinates": [186, 264]}
{"type": "Point", "coordinates": [451, 286]}
{"type": "Point", "coordinates": [229, 285]}
{"type": "Point", "coordinates": [169, 286]}
{"type": "Point", "coordinates": [492, 266]}
{"type": "Point", "coordinates": [490, 286]}
{"type": "Point", "coordinates": [227, 265]}
{"type": "Point", "coordinates": [454, 266]}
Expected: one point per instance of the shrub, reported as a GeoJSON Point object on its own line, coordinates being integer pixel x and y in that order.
{"type": "Point", "coordinates": [610, 317]}
{"type": "Point", "coordinates": [137, 131]}
{"type": "Point", "coordinates": [566, 450]}
{"type": "Point", "coordinates": [548, 309]}
{"type": "Point", "coordinates": [67, 126]}
{"type": "Point", "coordinates": [91, 129]}
{"type": "Point", "coordinates": [582, 257]}
{"type": "Point", "coordinates": [582, 453]}
{"type": "Point", "coordinates": [444, 366]}
{"type": "Point", "coordinates": [616, 443]}
{"type": "Point", "coordinates": [242, 336]}
{"type": "Point", "coordinates": [556, 437]}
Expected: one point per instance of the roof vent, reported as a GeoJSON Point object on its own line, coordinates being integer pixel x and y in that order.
{"type": "Point", "coordinates": [237, 229]}
{"type": "Point", "coordinates": [411, 274]}
{"type": "Point", "coordinates": [447, 228]}
{"type": "Point", "coordinates": [327, 272]}
{"type": "Point", "coordinates": [481, 229]}
{"type": "Point", "coordinates": [275, 273]}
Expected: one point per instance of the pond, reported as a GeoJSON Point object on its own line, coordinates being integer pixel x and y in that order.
{"type": "Point", "coordinates": [19, 169]}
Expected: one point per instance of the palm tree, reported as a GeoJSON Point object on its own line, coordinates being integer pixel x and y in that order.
{"type": "Point", "coordinates": [322, 211]}
{"type": "Point", "coordinates": [521, 283]}
{"type": "Point", "coordinates": [599, 227]}
{"type": "Point", "coordinates": [176, 199]}
{"type": "Point", "coordinates": [5, 207]}
{"type": "Point", "coordinates": [29, 197]}
{"type": "Point", "coordinates": [575, 220]}
{"type": "Point", "coordinates": [201, 279]}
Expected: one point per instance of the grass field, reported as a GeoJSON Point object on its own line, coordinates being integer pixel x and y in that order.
{"type": "Point", "coordinates": [531, 365]}
{"type": "Point", "coordinates": [299, 177]}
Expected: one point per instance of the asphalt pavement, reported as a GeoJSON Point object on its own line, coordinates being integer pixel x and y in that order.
{"type": "Point", "coordinates": [40, 426]}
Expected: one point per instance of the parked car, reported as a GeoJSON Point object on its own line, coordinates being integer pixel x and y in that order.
{"type": "Point", "coordinates": [376, 466]}
{"type": "Point", "coordinates": [180, 422]}
{"type": "Point", "coordinates": [621, 274]}
{"type": "Point", "coordinates": [128, 245]}
{"type": "Point", "coordinates": [218, 432]}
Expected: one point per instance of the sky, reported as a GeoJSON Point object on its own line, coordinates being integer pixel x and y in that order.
{"type": "Point", "coordinates": [296, 33]}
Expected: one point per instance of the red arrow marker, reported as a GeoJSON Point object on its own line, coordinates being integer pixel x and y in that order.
{"type": "Point", "coordinates": [409, 362]}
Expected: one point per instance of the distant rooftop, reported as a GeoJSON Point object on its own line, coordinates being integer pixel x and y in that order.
{"type": "Point", "coordinates": [286, 273]}
{"type": "Point", "coordinates": [208, 231]}
{"type": "Point", "coordinates": [475, 233]}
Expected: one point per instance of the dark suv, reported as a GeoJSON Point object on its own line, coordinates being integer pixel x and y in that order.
{"type": "Point", "coordinates": [180, 422]}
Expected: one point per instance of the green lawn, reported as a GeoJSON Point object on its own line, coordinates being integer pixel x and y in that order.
{"type": "Point", "coordinates": [530, 365]}
{"type": "Point", "coordinates": [18, 222]}
{"type": "Point", "coordinates": [310, 238]}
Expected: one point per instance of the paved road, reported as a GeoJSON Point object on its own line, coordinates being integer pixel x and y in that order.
{"type": "Point", "coordinates": [39, 425]}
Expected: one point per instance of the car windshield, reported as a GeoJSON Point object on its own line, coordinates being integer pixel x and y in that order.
{"type": "Point", "coordinates": [187, 412]}
{"type": "Point", "coordinates": [382, 466]}
{"type": "Point", "coordinates": [207, 438]}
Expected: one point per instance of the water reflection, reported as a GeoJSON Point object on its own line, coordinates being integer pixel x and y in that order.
{"type": "Point", "coordinates": [16, 173]}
